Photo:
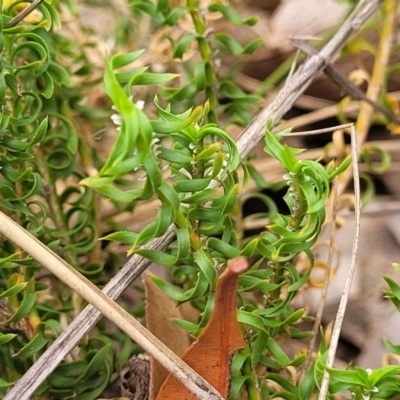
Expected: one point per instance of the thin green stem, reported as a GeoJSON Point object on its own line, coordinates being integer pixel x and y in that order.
{"type": "Point", "coordinates": [206, 55]}
{"type": "Point", "coordinates": [252, 391]}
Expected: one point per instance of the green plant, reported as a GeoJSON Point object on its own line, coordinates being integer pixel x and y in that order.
{"type": "Point", "coordinates": [199, 157]}
{"type": "Point", "coordinates": [41, 165]}
{"type": "Point", "coordinates": [175, 149]}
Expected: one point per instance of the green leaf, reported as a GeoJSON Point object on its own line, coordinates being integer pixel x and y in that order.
{"type": "Point", "coordinates": [158, 257]}
{"type": "Point", "coordinates": [232, 15]}
{"type": "Point", "coordinates": [231, 199]}
{"type": "Point", "coordinates": [251, 319]}
{"type": "Point", "coordinates": [231, 44]}
{"type": "Point", "coordinates": [32, 348]}
{"type": "Point", "coordinates": [151, 79]}
{"type": "Point", "coordinates": [395, 288]}
{"type": "Point", "coordinates": [169, 289]}
{"type": "Point", "coordinates": [307, 385]}
{"type": "Point", "coordinates": [201, 197]}
{"type": "Point", "coordinates": [225, 249]}
{"type": "Point", "coordinates": [174, 16]}
{"type": "Point", "coordinates": [250, 248]}
{"type": "Point", "coordinates": [277, 352]}
{"type": "Point", "coordinates": [341, 168]}
{"type": "Point", "coordinates": [258, 348]}
{"type": "Point", "coordinates": [192, 185]}
{"type": "Point", "coordinates": [5, 338]}
{"type": "Point", "coordinates": [4, 383]}
{"type": "Point", "coordinates": [165, 217]}
{"type": "Point", "coordinates": [183, 242]}
{"type": "Point", "coordinates": [46, 81]}
{"type": "Point", "coordinates": [12, 83]}
{"type": "Point", "coordinates": [13, 290]}
{"type": "Point", "coordinates": [185, 325]}
{"type": "Point", "coordinates": [204, 214]}
{"type": "Point", "coordinates": [97, 360]}
{"type": "Point", "coordinates": [104, 186]}
{"type": "Point", "coordinates": [181, 48]}
{"type": "Point", "coordinates": [238, 361]}
{"type": "Point", "coordinates": [382, 373]}
{"type": "Point", "coordinates": [122, 236]}
{"type": "Point", "coordinates": [345, 377]}
{"type": "Point", "coordinates": [121, 60]}
{"type": "Point", "coordinates": [41, 131]}
{"type": "Point", "coordinates": [174, 156]}
{"type": "Point", "coordinates": [206, 266]}
{"type": "Point", "coordinates": [145, 6]}
{"type": "Point", "coordinates": [25, 307]}
{"type": "Point", "coordinates": [395, 349]}
{"type": "Point", "coordinates": [50, 327]}
{"type": "Point", "coordinates": [253, 46]}
{"type": "Point", "coordinates": [285, 383]}
{"type": "Point", "coordinates": [3, 87]}
{"type": "Point", "coordinates": [282, 153]}
{"type": "Point", "coordinates": [385, 159]}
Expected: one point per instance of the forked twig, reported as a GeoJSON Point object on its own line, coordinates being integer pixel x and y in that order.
{"type": "Point", "coordinates": [285, 98]}
{"type": "Point", "coordinates": [378, 76]}
{"type": "Point", "coordinates": [318, 131]}
{"type": "Point", "coordinates": [301, 79]}
{"type": "Point", "coordinates": [346, 291]}
{"type": "Point", "coordinates": [349, 87]}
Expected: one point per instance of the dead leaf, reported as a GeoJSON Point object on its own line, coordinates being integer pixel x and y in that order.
{"type": "Point", "coordinates": [159, 309]}
{"type": "Point", "coordinates": [211, 354]}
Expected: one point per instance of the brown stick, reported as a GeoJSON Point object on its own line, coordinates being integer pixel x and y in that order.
{"type": "Point", "coordinates": [352, 90]}
{"type": "Point", "coordinates": [283, 101]}
{"type": "Point", "coordinates": [23, 14]}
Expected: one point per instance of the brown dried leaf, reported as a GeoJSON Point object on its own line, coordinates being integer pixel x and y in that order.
{"type": "Point", "coordinates": [211, 354]}
{"type": "Point", "coordinates": [160, 308]}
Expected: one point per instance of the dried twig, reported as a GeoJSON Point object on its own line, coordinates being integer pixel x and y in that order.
{"type": "Point", "coordinates": [111, 310]}
{"type": "Point", "coordinates": [247, 141]}
{"type": "Point", "coordinates": [346, 291]}
{"type": "Point", "coordinates": [303, 77]}
{"type": "Point", "coordinates": [379, 71]}
{"type": "Point", "coordinates": [23, 14]}
{"type": "Point", "coordinates": [377, 79]}
{"type": "Point", "coordinates": [324, 292]}
{"type": "Point", "coordinates": [352, 90]}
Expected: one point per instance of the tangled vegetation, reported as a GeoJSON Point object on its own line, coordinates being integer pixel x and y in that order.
{"type": "Point", "coordinates": [171, 143]}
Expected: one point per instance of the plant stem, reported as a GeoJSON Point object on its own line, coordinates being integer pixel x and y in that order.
{"type": "Point", "coordinates": [252, 391]}
{"type": "Point", "coordinates": [205, 50]}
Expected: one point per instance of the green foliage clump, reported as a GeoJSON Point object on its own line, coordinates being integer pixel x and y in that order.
{"type": "Point", "coordinates": [179, 154]}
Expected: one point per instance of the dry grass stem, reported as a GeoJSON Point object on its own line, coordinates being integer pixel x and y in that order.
{"type": "Point", "coordinates": [318, 131]}
{"type": "Point", "coordinates": [346, 291]}
{"type": "Point", "coordinates": [66, 273]}
{"type": "Point", "coordinates": [345, 84]}
{"type": "Point", "coordinates": [324, 292]}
